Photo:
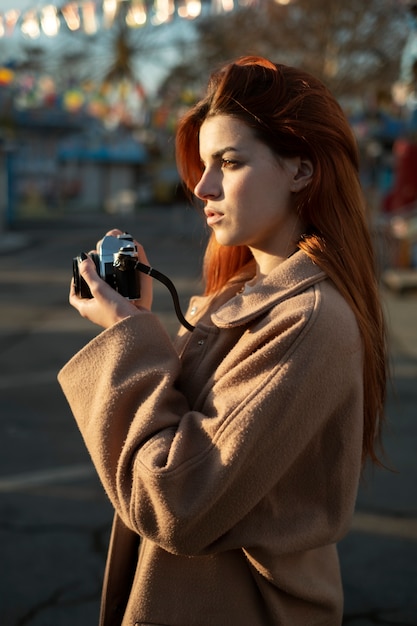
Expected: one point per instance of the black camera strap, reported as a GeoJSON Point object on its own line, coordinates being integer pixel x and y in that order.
{"type": "Point", "coordinates": [146, 269]}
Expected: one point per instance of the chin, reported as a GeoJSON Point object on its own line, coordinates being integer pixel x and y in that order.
{"type": "Point", "coordinates": [227, 241]}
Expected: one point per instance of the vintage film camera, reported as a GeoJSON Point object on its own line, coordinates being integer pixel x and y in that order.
{"type": "Point", "coordinates": [115, 261]}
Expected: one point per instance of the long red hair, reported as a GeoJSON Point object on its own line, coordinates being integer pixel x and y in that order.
{"type": "Point", "coordinates": [295, 115]}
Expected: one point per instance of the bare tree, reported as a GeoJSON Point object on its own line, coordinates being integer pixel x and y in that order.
{"type": "Point", "coordinates": [353, 46]}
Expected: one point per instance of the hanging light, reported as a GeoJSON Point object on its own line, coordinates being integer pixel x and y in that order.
{"type": "Point", "coordinates": [136, 15]}
{"type": "Point", "coordinates": [83, 13]}
{"type": "Point", "coordinates": [222, 6]}
{"type": "Point", "coordinates": [10, 19]}
{"type": "Point", "coordinates": [164, 11]}
{"type": "Point", "coordinates": [30, 25]}
{"type": "Point", "coordinates": [71, 15]}
{"type": "Point", "coordinates": [109, 11]}
{"type": "Point", "coordinates": [50, 20]}
{"type": "Point", "coordinates": [89, 17]}
{"type": "Point", "coordinates": [189, 9]}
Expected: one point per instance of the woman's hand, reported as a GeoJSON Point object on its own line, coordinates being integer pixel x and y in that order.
{"type": "Point", "coordinates": [107, 306]}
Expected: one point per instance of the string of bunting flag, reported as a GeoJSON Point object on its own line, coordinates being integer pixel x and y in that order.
{"type": "Point", "coordinates": [91, 15]}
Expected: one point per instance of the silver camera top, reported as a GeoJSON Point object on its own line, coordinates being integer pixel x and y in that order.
{"type": "Point", "coordinates": [110, 245]}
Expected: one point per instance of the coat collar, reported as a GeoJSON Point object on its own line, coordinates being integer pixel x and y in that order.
{"type": "Point", "coordinates": [293, 276]}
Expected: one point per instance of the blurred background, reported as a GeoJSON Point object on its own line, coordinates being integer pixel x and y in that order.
{"type": "Point", "coordinates": [90, 93]}
{"type": "Point", "coordinates": [90, 90]}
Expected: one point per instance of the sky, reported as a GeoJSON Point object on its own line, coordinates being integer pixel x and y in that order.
{"type": "Point", "coordinates": [22, 5]}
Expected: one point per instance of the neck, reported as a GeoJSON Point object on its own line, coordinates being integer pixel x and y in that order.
{"type": "Point", "coordinates": [267, 260]}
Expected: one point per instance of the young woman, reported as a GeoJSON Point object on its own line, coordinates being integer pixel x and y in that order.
{"type": "Point", "coordinates": [232, 457]}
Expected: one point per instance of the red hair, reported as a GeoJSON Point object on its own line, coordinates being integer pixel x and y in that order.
{"type": "Point", "coordinates": [295, 115]}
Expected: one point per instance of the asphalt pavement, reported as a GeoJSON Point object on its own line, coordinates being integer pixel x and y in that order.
{"type": "Point", "coordinates": [54, 517]}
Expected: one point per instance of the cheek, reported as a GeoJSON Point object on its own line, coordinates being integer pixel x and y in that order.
{"type": "Point", "coordinates": [246, 187]}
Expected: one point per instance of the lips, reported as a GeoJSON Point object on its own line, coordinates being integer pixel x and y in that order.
{"type": "Point", "coordinates": [213, 217]}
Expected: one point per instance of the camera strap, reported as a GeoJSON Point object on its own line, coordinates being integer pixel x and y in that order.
{"type": "Point", "coordinates": [146, 269]}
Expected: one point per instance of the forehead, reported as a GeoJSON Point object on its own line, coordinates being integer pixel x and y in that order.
{"type": "Point", "coordinates": [222, 131]}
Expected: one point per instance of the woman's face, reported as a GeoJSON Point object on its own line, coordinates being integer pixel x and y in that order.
{"type": "Point", "coordinates": [246, 190]}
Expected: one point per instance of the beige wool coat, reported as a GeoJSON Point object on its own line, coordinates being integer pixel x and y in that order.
{"type": "Point", "coordinates": [232, 457]}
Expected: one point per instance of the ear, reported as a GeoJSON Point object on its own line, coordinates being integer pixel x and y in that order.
{"type": "Point", "coordinates": [302, 174]}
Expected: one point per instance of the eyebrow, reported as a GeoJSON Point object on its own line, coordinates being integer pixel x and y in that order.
{"type": "Point", "coordinates": [220, 152]}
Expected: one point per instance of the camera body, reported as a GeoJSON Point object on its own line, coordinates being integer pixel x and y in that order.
{"type": "Point", "coordinates": [115, 262]}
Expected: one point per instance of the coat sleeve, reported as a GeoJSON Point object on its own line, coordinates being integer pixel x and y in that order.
{"type": "Point", "coordinates": [274, 447]}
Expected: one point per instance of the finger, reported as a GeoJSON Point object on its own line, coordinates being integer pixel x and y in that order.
{"type": "Point", "coordinates": [114, 232]}
{"type": "Point", "coordinates": [88, 272]}
{"type": "Point", "coordinates": [146, 281]}
{"type": "Point", "coordinates": [142, 254]}
{"type": "Point", "coordinates": [74, 299]}
{"type": "Point", "coordinates": [99, 289]}
{"type": "Point", "coordinates": [72, 289]}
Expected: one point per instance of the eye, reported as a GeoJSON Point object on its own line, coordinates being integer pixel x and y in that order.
{"type": "Point", "coordinates": [229, 163]}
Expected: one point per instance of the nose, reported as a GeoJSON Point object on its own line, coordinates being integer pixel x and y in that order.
{"type": "Point", "coordinates": [207, 187]}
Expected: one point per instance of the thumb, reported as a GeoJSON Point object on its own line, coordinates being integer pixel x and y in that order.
{"type": "Point", "coordinates": [88, 271]}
